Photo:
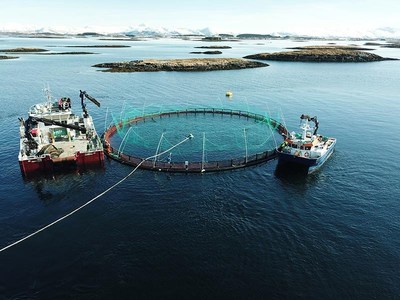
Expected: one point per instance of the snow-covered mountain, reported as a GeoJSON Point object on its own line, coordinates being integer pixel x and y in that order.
{"type": "Point", "coordinates": [145, 30]}
{"type": "Point", "coordinates": [138, 30]}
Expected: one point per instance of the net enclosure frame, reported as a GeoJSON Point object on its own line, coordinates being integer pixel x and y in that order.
{"type": "Point", "coordinates": [189, 166]}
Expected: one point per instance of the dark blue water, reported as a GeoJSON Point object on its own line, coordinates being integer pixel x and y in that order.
{"type": "Point", "coordinates": [252, 233]}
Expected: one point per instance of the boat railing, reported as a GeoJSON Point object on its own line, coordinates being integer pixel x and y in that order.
{"type": "Point", "coordinates": [42, 109]}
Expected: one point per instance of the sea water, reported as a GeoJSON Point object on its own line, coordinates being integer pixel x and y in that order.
{"type": "Point", "coordinates": [251, 233]}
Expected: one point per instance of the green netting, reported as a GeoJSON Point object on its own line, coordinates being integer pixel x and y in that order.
{"type": "Point", "coordinates": [220, 132]}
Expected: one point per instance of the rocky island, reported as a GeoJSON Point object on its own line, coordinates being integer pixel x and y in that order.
{"type": "Point", "coordinates": [388, 45]}
{"type": "Point", "coordinates": [331, 47]}
{"type": "Point", "coordinates": [391, 45]}
{"type": "Point", "coordinates": [206, 52]}
{"type": "Point", "coordinates": [321, 54]}
{"type": "Point", "coordinates": [7, 57]}
{"type": "Point", "coordinates": [214, 47]}
{"type": "Point", "coordinates": [186, 65]}
{"type": "Point", "coordinates": [66, 53]}
{"type": "Point", "coordinates": [99, 46]}
{"type": "Point", "coordinates": [23, 50]}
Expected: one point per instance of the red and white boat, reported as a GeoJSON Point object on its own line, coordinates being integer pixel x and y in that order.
{"type": "Point", "coordinates": [53, 138]}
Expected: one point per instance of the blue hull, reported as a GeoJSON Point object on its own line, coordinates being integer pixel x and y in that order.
{"type": "Point", "coordinates": [286, 158]}
{"type": "Point", "coordinates": [312, 164]}
{"type": "Point", "coordinates": [321, 160]}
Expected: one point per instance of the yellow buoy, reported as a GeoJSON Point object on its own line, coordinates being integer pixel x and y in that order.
{"type": "Point", "coordinates": [229, 94]}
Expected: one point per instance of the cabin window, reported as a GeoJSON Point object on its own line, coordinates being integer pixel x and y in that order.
{"type": "Point", "coordinates": [59, 134]}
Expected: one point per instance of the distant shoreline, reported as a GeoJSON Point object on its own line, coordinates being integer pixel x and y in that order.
{"type": "Point", "coordinates": [98, 46]}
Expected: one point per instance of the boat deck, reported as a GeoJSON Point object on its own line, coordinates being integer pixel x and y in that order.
{"type": "Point", "coordinates": [70, 148]}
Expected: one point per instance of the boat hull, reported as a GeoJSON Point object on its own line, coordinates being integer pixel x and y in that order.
{"type": "Point", "coordinates": [90, 159]}
{"type": "Point", "coordinates": [321, 160]}
{"type": "Point", "coordinates": [39, 165]}
{"type": "Point", "coordinates": [287, 158]}
{"type": "Point", "coordinates": [46, 165]}
{"type": "Point", "coordinates": [311, 164]}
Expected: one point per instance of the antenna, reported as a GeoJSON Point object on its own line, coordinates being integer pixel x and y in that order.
{"type": "Point", "coordinates": [47, 95]}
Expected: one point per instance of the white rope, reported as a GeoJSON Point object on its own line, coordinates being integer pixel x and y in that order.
{"type": "Point", "coordinates": [190, 136]}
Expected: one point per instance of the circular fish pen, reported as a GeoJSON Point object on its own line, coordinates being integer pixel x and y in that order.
{"type": "Point", "coordinates": [215, 140]}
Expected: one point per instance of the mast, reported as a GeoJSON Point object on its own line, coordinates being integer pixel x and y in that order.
{"type": "Point", "coordinates": [47, 95]}
{"type": "Point", "coordinates": [305, 119]}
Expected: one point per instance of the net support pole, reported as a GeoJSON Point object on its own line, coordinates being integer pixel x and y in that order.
{"type": "Point", "coordinates": [105, 120]}
{"type": "Point", "coordinates": [245, 144]}
{"type": "Point", "coordinates": [122, 110]}
{"type": "Point", "coordinates": [158, 148]}
{"type": "Point", "coordinates": [284, 123]}
{"type": "Point", "coordinates": [272, 133]}
{"type": "Point", "coordinates": [202, 158]}
{"type": "Point", "coordinates": [123, 140]}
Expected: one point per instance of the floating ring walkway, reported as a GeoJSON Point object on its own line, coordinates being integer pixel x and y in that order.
{"type": "Point", "coordinates": [192, 167]}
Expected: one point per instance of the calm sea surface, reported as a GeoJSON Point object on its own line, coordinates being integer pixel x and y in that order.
{"type": "Point", "coordinates": [252, 233]}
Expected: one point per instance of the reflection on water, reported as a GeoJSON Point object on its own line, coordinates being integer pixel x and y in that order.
{"type": "Point", "coordinates": [291, 172]}
{"type": "Point", "coordinates": [39, 188]}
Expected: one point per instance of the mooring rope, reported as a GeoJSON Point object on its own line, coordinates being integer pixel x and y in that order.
{"type": "Point", "coordinates": [190, 136]}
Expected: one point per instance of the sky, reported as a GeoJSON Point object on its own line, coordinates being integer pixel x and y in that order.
{"type": "Point", "coordinates": [225, 16]}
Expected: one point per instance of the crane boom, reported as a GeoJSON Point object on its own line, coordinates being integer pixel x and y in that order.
{"type": "Point", "coordinates": [53, 122]}
{"type": "Point", "coordinates": [84, 95]}
{"type": "Point", "coordinates": [314, 119]}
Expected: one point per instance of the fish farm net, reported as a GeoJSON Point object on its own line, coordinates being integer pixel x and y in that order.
{"type": "Point", "coordinates": [223, 138]}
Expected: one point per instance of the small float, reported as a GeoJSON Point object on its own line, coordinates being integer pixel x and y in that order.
{"type": "Point", "coordinates": [229, 94]}
{"type": "Point", "coordinates": [306, 148]}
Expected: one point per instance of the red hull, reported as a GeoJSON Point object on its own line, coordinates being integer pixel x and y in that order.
{"type": "Point", "coordinates": [46, 165]}
{"type": "Point", "coordinates": [42, 165]}
{"type": "Point", "coordinates": [90, 159]}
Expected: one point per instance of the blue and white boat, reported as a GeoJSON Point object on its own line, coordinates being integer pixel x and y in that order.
{"type": "Point", "coordinates": [306, 148]}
